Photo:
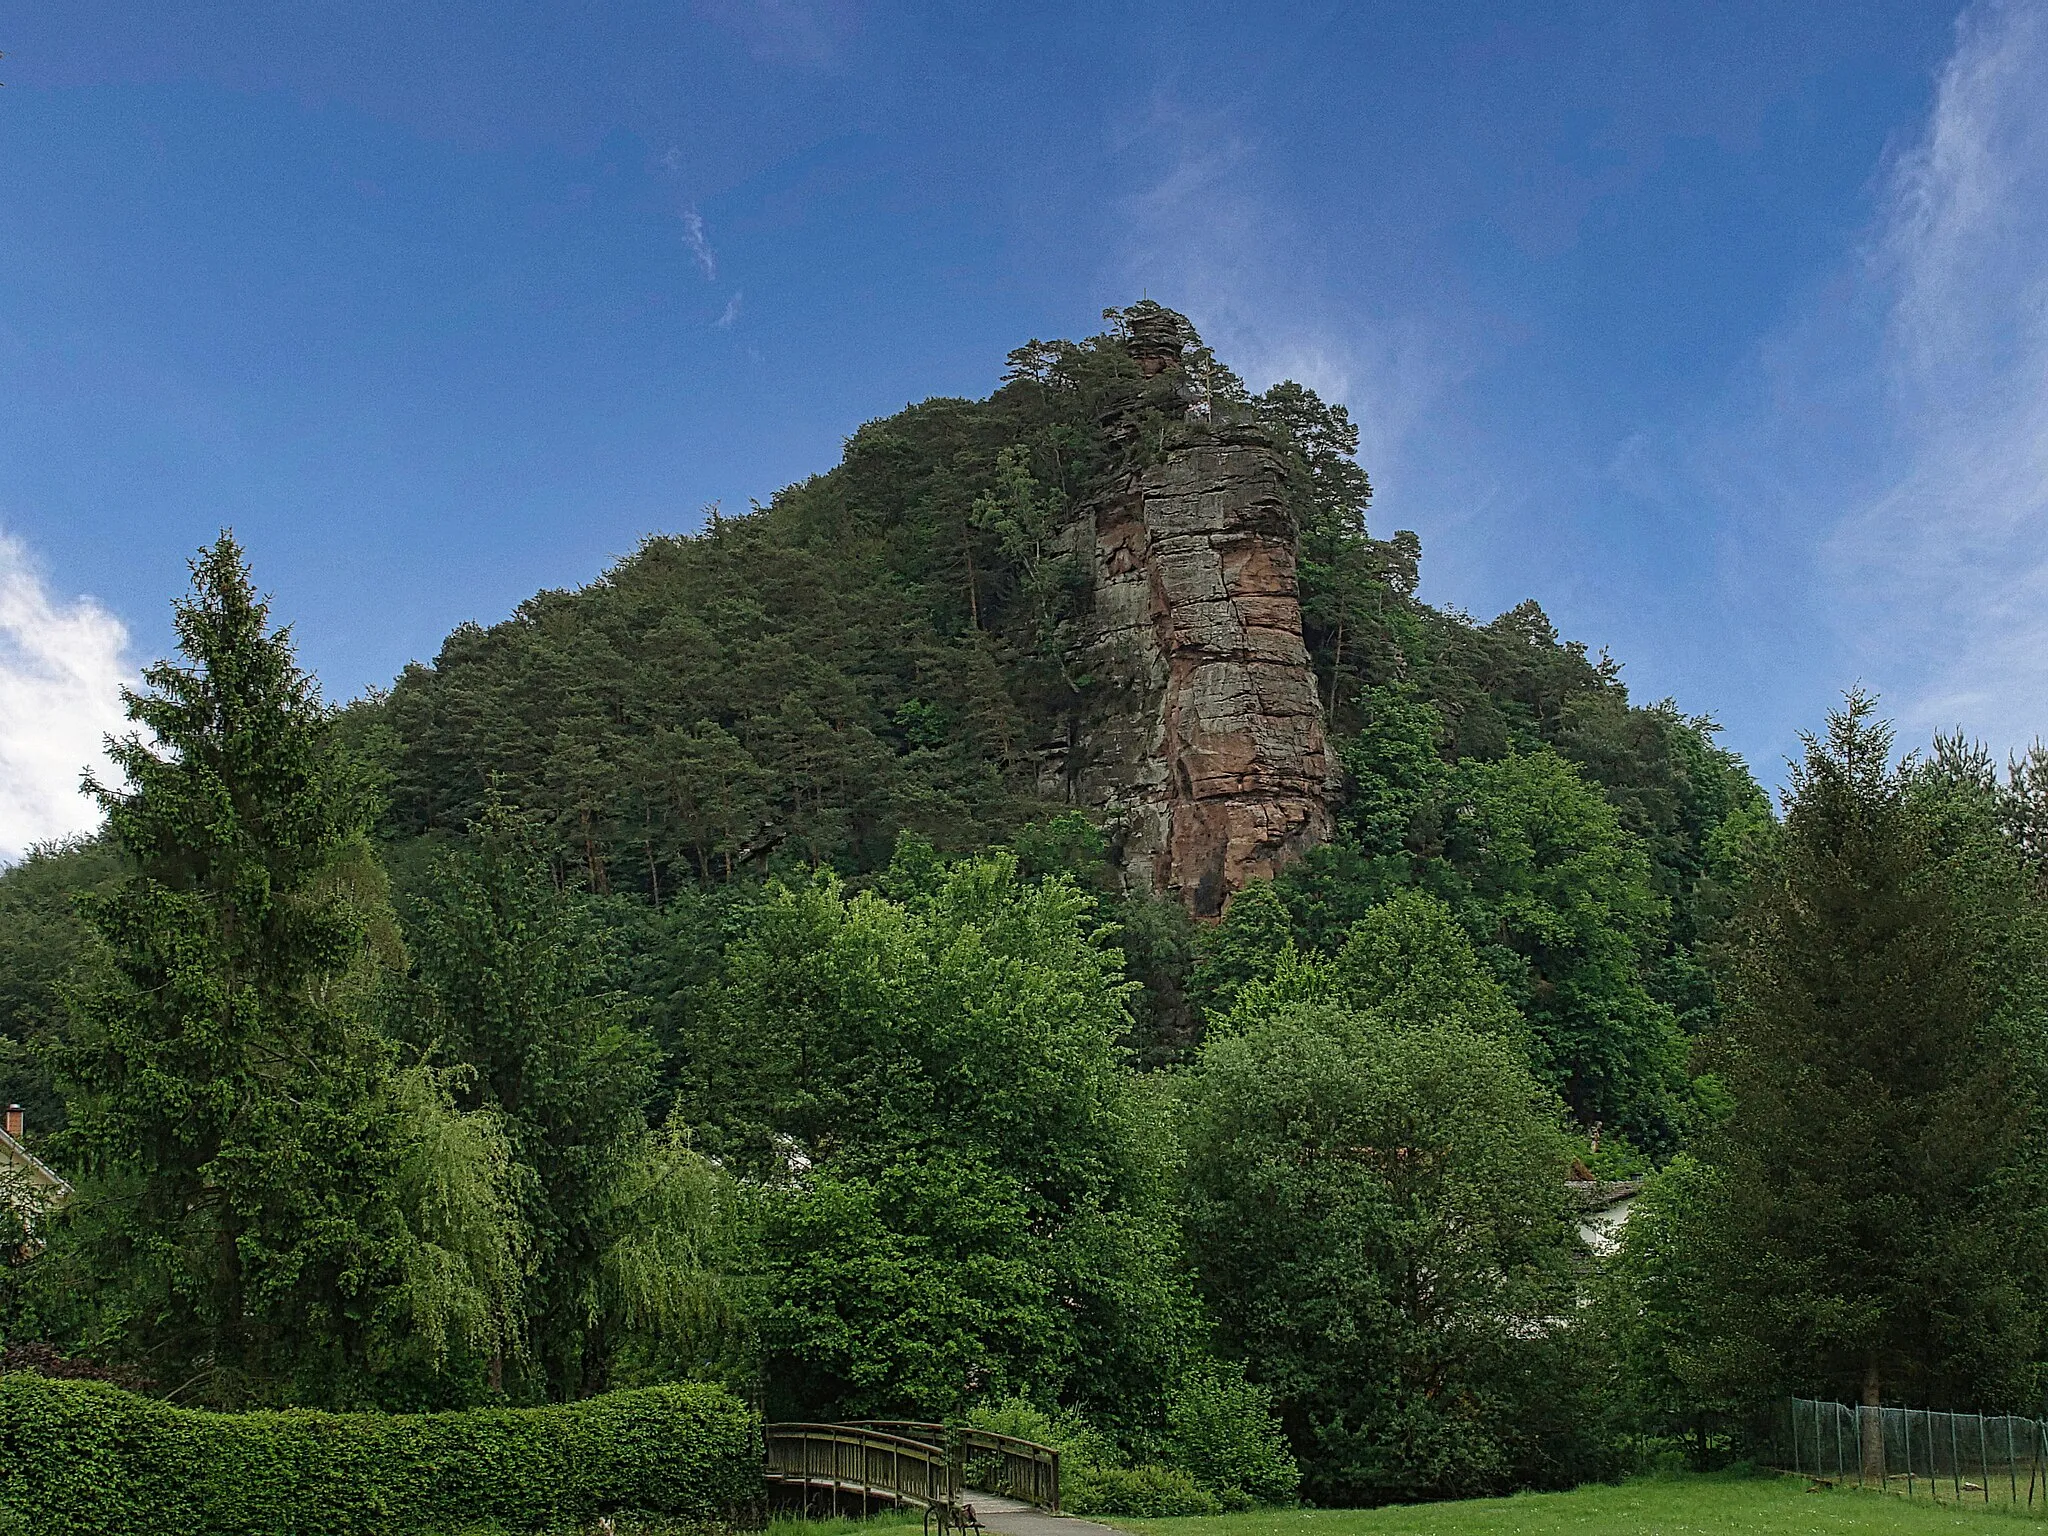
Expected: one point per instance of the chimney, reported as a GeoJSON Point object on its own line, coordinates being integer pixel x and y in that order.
{"type": "Point", "coordinates": [14, 1121]}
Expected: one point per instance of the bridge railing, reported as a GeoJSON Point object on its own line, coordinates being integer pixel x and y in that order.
{"type": "Point", "coordinates": [1023, 1469]}
{"type": "Point", "coordinates": [910, 1429]}
{"type": "Point", "coordinates": [852, 1458]}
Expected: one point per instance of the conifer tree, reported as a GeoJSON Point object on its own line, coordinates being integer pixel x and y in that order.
{"type": "Point", "coordinates": [1875, 1223]}
{"type": "Point", "coordinates": [239, 1215]}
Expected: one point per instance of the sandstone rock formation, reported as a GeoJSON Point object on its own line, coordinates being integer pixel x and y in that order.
{"type": "Point", "coordinates": [1204, 729]}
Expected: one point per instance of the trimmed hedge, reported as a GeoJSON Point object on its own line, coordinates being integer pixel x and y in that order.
{"type": "Point", "coordinates": [84, 1459]}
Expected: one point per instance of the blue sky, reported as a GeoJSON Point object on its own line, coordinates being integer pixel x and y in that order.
{"type": "Point", "coordinates": [1722, 330]}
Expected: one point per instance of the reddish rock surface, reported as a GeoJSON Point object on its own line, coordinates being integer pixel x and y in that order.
{"type": "Point", "coordinates": [1204, 732]}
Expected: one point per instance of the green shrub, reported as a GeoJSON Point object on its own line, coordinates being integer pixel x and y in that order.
{"type": "Point", "coordinates": [1077, 1441]}
{"type": "Point", "coordinates": [1149, 1492]}
{"type": "Point", "coordinates": [1223, 1450]}
{"type": "Point", "coordinates": [1221, 1429]}
{"type": "Point", "coordinates": [85, 1459]}
{"type": "Point", "coordinates": [1080, 1444]}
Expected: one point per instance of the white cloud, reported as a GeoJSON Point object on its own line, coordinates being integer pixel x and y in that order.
{"type": "Point", "coordinates": [731, 311]}
{"type": "Point", "coordinates": [62, 665]}
{"type": "Point", "coordinates": [1941, 572]}
{"type": "Point", "coordinates": [696, 237]}
{"type": "Point", "coordinates": [1866, 499]}
{"type": "Point", "coordinates": [699, 243]}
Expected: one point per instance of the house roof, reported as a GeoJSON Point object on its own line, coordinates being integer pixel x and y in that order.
{"type": "Point", "coordinates": [15, 1155]}
{"type": "Point", "coordinates": [1603, 1194]}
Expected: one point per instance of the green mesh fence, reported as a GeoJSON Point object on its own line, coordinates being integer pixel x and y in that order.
{"type": "Point", "coordinates": [1920, 1453]}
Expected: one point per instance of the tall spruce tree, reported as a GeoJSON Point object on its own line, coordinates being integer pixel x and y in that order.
{"type": "Point", "coordinates": [1875, 1220]}
{"type": "Point", "coordinates": [239, 1222]}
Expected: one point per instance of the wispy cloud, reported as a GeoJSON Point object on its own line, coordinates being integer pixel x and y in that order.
{"type": "Point", "coordinates": [699, 242]}
{"type": "Point", "coordinates": [1942, 570]}
{"type": "Point", "coordinates": [1204, 235]}
{"type": "Point", "coordinates": [1868, 499]}
{"type": "Point", "coordinates": [696, 236]}
{"type": "Point", "coordinates": [731, 311]}
{"type": "Point", "coordinates": [62, 665]}
{"type": "Point", "coordinates": [808, 34]}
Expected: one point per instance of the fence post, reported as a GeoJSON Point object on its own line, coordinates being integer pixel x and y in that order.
{"type": "Point", "coordinates": [2034, 1459]}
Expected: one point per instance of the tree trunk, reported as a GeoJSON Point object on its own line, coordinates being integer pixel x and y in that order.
{"type": "Point", "coordinates": [1336, 672]}
{"type": "Point", "coordinates": [230, 1341]}
{"type": "Point", "coordinates": [1870, 1427]}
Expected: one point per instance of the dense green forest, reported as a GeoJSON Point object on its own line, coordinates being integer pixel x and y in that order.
{"type": "Point", "coordinates": [879, 653]}
{"type": "Point", "coordinates": [685, 979]}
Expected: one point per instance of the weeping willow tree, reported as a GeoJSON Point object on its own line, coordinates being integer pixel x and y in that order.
{"type": "Point", "coordinates": [664, 1290]}
{"type": "Point", "coordinates": [466, 1259]}
{"type": "Point", "coordinates": [514, 996]}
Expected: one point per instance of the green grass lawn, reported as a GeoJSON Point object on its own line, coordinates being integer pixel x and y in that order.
{"type": "Point", "coordinates": [1681, 1506]}
{"type": "Point", "coordinates": [888, 1523]}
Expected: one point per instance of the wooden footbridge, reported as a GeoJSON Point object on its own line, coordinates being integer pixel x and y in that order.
{"type": "Point", "coordinates": [911, 1465]}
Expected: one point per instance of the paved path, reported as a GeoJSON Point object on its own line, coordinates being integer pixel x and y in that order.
{"type": "Point", "coordinates": [1013, 1517]}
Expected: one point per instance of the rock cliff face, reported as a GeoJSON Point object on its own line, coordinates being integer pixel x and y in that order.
{"type": "Point", "coordinates": [1205, 728]}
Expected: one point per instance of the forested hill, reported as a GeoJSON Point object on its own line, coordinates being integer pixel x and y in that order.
{"type": "Point", "coordinates": [895, 649]}
{"type": "Point", "coordinates": [890, 647]}
{"type": "Point", "coordinates": [951, 939]}
{"type": "Point", "coordinates": [879, 649]}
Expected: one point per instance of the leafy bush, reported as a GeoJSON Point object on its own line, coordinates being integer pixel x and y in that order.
{"type": "Point", "coordinates": [1149, 1492]}
{"type": "Point", "coordinates": [994, 1206]}
{"type": "Point", "coordinates": [1226, 1450]}
{"type": "Point", "coordinates": [1221, 1429]}
{"type": "Point", "coordinates": [1077, 1441]}
{"type": "Point", "coordinates": [1331, 1158]}
{"type": "Point", "coordinates": [91, 1460]}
